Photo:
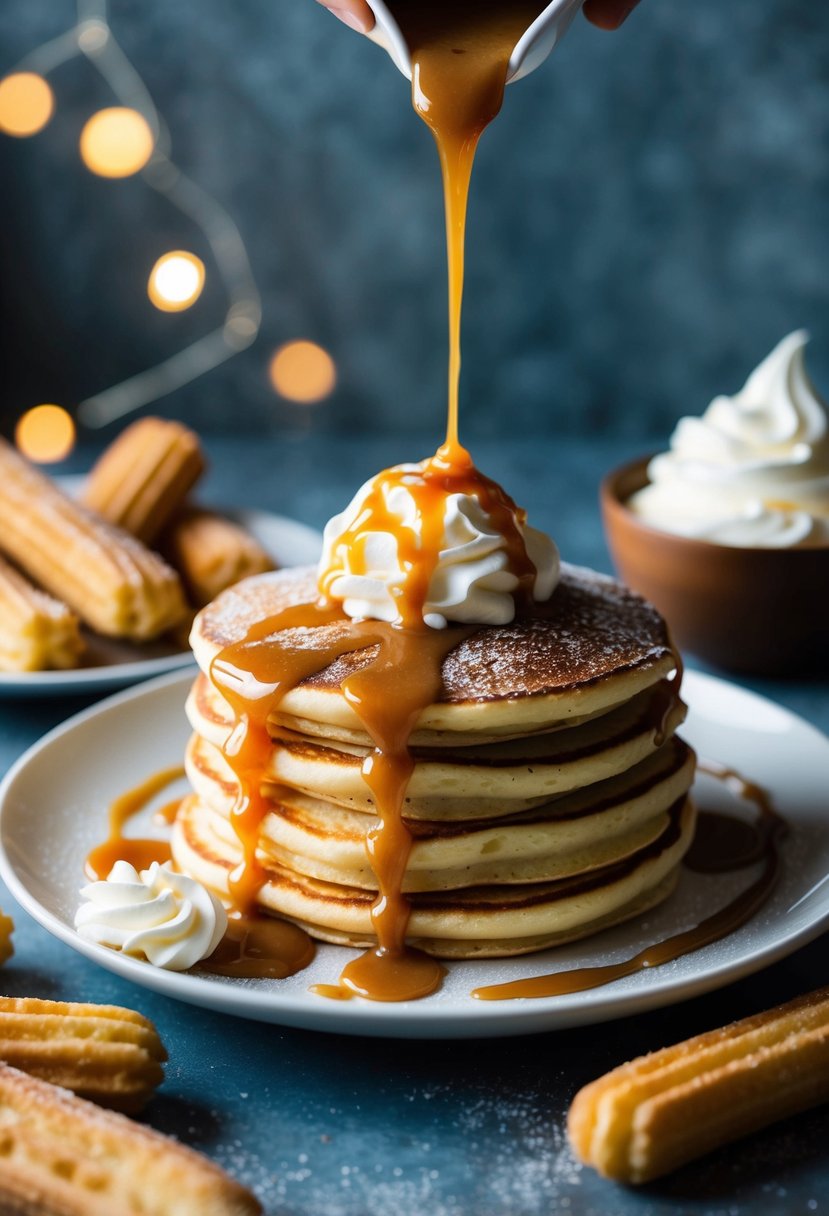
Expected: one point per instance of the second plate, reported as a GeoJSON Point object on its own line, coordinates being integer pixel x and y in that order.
{"type": "Point", "coordinates": [114, 664]}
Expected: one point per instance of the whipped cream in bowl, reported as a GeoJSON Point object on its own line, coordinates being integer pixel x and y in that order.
{"type": "Point", "coordinates": [415, 544]}
{"type": "Point", "coordinates": [727, 532]}
{"type": "Point", "coordinates": [159, 915]}
{"type": "Point", "coordinates": [753, 470]}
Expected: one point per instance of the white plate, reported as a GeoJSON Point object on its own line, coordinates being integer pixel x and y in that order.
{"type": "Point", "coordinates": [111, 664]}
{"type": "Point", "coordinates": [53, 810]}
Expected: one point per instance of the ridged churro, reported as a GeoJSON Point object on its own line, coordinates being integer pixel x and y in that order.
{"type": "Point", "coordinates": [63, 1156]}
{"type": "Point", "coordinates": [36, 632]}
{"type": "Point", "coordinates": [144, 476]}
{"type": "Point", "coordinates": [656, 1113]}
{"type": "Point", "coordinates": [211, 553]}
{"type": "Point", "coordinates": [111, 580]}
{"type": "Point", "coordinates": [110, 1055]}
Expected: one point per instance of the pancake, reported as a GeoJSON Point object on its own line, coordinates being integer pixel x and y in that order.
{"type": "Point", "coordinates": [572, 834]}
{"type": "Point", "coordinates": [592, 646]}
{"type": "Point", "coordinates": [481, 921]}
{"type": "Point", "coordinates": [472, 782]}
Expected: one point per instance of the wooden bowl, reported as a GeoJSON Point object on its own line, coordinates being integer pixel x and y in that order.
{"type": "Point", "coordinates": [761, 611]}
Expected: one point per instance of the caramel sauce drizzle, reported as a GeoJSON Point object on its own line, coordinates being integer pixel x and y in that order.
{"type": "Point", "coordinates": [429, 484]}
{"type": "Point", "coordinates": [388, 696]}
{"type": "Point", "coordinates": [138, 852]}
{"type": "Point", "coordinates": [718, 846]}
{"type": "Point", "coordinates": [666, 702]}
{"type": "Point", "coordinates": [460, 55]}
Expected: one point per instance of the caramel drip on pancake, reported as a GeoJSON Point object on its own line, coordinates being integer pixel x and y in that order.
{"type": "Point", "coordinates": [139, 853]}
{"type": "Point", "coordinates": [709, 854]}
{"type": "Point", "coordinates": [253, 675]}
{"type": "Point", "coordinates": [388, 696]}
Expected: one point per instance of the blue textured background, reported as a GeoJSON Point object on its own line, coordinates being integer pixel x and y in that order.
{"type": "Point", "coordinates": [649, 215]}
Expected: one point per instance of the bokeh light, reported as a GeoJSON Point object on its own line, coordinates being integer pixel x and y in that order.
{"type": "Point", "coordinates": [26, 104]}
{"type": "Point", "coordinates": [303, 371]}
{"type": "Point", "coordinates": [176, 281]}
{"type": "Point", "coordinates": [116, 142]}
{"type": "Point", "coordinates": [45, 433]}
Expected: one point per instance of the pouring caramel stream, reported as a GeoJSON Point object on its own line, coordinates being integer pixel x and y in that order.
{"type": "Point", "coordinates": [460, 55]}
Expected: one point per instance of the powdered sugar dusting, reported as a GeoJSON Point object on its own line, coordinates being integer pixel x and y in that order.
{"type": "Point", "coordinates": [592, 627]}
{"type": "Point", "coordinates": [351, 1170]}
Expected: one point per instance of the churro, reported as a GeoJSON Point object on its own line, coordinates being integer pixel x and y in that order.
{"type": "Point", "coordinates": [63, 1156]}
{"type": "Point", "coordinates": [656, 1113]}
{"type": "Point", "coordinates": [110, 1055]}
{"type": "Point", "coordinates": [110, 579]}
{"type": "Point", "coordinates": [211, 553]}
{"type": "Point", "coordinates": [36, 632]}
{"type": "Point", "coordinates": [144, 475]}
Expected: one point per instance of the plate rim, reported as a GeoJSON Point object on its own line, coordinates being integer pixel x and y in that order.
{"type": "Point", "coordinates": [406, 1019]}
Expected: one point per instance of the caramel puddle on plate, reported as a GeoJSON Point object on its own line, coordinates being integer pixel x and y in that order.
{"type": "Point", "coordinates": [261, 948]}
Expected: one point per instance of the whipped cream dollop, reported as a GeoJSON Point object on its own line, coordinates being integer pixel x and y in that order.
{"type": "Point", "coordinates": [754, 469]}
{"type": "Point", "coordinates": [471, 581]}
{"type": "Point", "coordinates": [171, 920]}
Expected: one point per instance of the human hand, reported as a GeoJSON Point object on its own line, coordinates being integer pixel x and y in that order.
{"type": "Point", "coordinates": [607, 14]}
{"type": "Point", "coordinates": [355, 13]}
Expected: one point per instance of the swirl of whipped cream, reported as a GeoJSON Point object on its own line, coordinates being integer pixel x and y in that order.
{"type": "Point", "coordinates": [169, 919]}
{"type": "Point", "coordinates": [471, 581]}
{"type": "Point", "coordinates": [754, 469]}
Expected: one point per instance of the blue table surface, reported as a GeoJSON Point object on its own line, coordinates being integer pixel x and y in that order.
{"type": "Point", "coordinates": [332, 1126]}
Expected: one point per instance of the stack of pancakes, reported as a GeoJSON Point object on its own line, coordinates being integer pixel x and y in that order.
{"type": "Point", "coordinates": [549, 797]}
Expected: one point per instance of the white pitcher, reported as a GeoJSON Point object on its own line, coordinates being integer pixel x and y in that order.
{"type": "Point", "coordinates": [532, 47]}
